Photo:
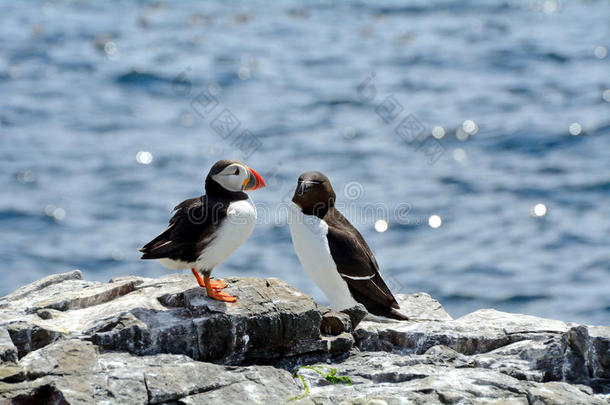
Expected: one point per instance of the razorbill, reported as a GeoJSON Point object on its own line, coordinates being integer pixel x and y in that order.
{"type": "Point", "coordinates": [333, 253]}
{"type": "Point", "coordinates": [205, 230]}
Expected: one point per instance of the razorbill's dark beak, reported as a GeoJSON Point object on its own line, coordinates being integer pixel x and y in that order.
{"type": "Point", "coordinates": [255, 181]}
{"type": "Point", "coordinates": [302, 188]}
{"type": "Point", "coordinates": [305, 186]}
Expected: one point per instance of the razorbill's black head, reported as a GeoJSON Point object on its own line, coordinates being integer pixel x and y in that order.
{"type": "Point", "coordinates": [205, 230]}
{"type": "Point", "coordinates": [314, 194]}
{"type": "Point", "coordinates": [333, 253]}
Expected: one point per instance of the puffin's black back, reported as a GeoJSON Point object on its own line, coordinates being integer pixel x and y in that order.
{"type": "Point", "coordinates": [195, 221]}
{"type": "Point", "coordinates": [190, 230]}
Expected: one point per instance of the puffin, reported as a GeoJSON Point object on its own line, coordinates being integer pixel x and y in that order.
{"type": "Point", "coordinates": [206, 230]}
{"type": "Point", "coordinates": [333, 253]}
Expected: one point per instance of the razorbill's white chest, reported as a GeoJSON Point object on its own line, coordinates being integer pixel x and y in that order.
{"type": "Point", "coordinates": [309, 237]}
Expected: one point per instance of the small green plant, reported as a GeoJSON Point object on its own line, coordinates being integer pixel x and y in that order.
{"type": "Point", "coordinates": [303, 395]}
{"type": "Point", "coordinates": [331, 376]}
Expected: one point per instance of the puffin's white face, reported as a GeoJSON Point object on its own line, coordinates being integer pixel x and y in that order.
{"type": "Point", "coordinates": [233, 178]}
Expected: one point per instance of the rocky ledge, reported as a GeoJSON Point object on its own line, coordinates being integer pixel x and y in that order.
{"type": "Point", "coordinates": [64, 340]}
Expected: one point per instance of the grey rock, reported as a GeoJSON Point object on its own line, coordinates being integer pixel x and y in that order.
{"type": "Point", "coordinates": [422, 307]}
{"type": "Point", "coordinates": [520, 346]}
{"type": "Point", "coordinates": [43, 391]}
{"type": "Point", "coordinates": [251, 385]}
{"type": "Point", "coordinates": [438, 376]}
{"type": "Point", "coordinates": [527, 359]}
{"type": "Point", "coordinates": [167, 315]}
{"type": "Point", "coordinates": [8, 351]}
{"type": "Point", "coordinates": [593, 344]}
{"type": "Point", "coordinates": [478, 332]}
{"type": "Point", "coordinates": [270, 319]}
{"type": "Point", "coordinates": [356, 314]}
{"type": "Point", "coordinates": [559, 393]}
{"type": "Point", "coordinates": [27, 336]}
{"type": "Point", "coordinates": [75, 371]}
{"type": "Point", "coordinates": [85, 298]}
{"type": "Point", "coordinates": [417, 337]}
{"type": "Point", "coordinates": [11, 373]}
{"type": "Point", "coordinates": [400, 379]}
{"type": "Point", "coordinates": [64, 357]}
{"type": "Point", "coordinates": [24, 292]}
{"type": "Point", "coordinates": [335, 323]}
{"type": "Point", "coordinates": [135, 340]}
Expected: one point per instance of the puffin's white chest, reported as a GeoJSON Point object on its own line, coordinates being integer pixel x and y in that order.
{"type": "Point", "coordinates": [231, 234]}
{"type": "Point", "coordinates": [311, 246]}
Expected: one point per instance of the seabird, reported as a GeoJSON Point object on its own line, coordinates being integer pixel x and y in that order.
{"type": "Point", "coordinates": [205, 230]}
{"type": "Point", "coordinates": [333, 253]}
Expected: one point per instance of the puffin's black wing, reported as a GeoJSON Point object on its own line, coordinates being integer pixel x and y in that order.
{"type": "Point", "coordinates": [357, 266]}
{"type": "Point", "coordinates": [190, 229]}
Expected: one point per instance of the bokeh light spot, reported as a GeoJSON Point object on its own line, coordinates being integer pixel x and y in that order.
{"type": "Point", "coordinates": [550, 6]}
{"type": "Point", "coordinates": [144, 157]}
{"type": "Point", "coordinates": [57, 213]}
{"type": "Point", "coordinates": [539, 210]}
{"type": "Point", "coordinates": [438, 132]}
{"type": "Point", "coordinates": [435, 221]}
{"type": "Point", "coordinates": [575, 128]}
{"type": "Point", "coordinates": [349, 132]}
{"type": "Point", "coordinates": [459, 155]}
{"type": "Point", "coordinates": [470, 127]}
{"type": "Point", "coordinates": [381, 225]}
{"type": "Point", "coordinates": [111, 50]}
{"type": "Point", "coordinates": [600, 52]}
{"type": "Point", "coordinates": [461, 135]}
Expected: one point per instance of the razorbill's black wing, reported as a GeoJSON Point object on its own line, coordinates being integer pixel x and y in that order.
{"type": "Point", "coordinates": [356, 264]}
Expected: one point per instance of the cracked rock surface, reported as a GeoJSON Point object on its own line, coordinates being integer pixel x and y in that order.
{"type": "Point", "coordinates": [64, 340]}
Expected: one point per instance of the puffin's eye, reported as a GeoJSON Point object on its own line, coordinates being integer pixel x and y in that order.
{"type": "Point", "coordinates": [236, 171]}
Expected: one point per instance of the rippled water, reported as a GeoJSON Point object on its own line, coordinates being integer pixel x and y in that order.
{"type": "Point", "coordinates": [105, 124]}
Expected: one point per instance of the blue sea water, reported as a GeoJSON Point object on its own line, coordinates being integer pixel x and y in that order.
{"type": "Point", "coordinates": [112, 113]}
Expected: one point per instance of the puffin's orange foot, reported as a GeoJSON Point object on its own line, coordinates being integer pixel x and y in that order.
{"type": "Point", "coordinates": [198, 277]}
{"type": "Point", "coordinates": [215, 284]}
{"type": "Point", "coordinates": [218, 284]}
{"type": "Point", "coordinates": [221, 296]}
{"type": "Point", "coordinates": [216, 294]}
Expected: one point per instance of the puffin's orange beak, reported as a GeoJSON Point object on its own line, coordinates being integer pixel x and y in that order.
{"type": "Point", "coordinates": [255, 181]}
